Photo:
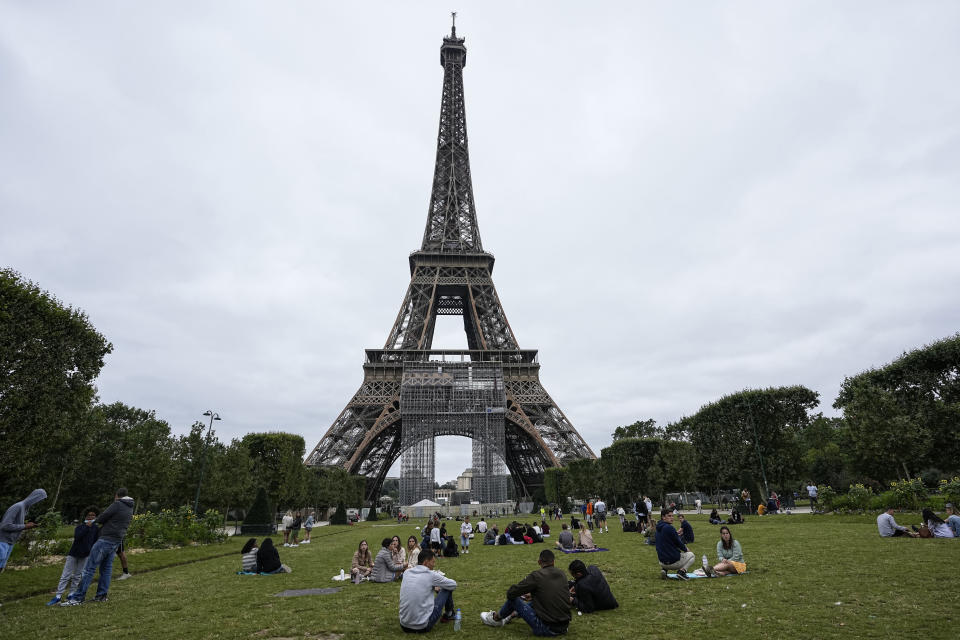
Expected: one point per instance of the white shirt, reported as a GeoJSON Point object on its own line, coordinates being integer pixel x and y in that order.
{"type": "Point", "coordinates": [649, 504]}
{"type": "Point", "coordinates": [466, 529]}
{"type": "Point", "coordinates": [887, 525]}
{"type": "Point", "coordinates": [416, 595]}
{"type": "Point", "coordinates": [482, 527]}
{"type": "Point", "coordinates": [435, 535]}
{"type": "Point", "coordinates": [812, 490]}
{"type": "Point", "coordinates": [621, 512]}
{"type": "Point", "coordinates": [600, 506]}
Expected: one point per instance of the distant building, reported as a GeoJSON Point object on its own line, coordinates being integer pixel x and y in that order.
{"type": "Point", "coordinates": [465, 480]}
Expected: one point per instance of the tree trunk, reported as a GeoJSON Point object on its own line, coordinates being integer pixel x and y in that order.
{"type": "Point", "coordinates": [905, 470]}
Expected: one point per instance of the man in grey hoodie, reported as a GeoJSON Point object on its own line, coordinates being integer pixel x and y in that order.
{"type": "Point", "coordinates": [113, 526]}
{"type": "Point", "coordinates": [12, 524]}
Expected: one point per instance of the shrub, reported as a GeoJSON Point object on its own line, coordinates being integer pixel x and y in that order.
{"type": "Point", "coordinates": [859, 497]}
{"type": "Point", "coordinates": [260, 512]}
{"type": "Point", "coordinates": [340, 516]}
{"type": "Point", "coordinates": [908, 494]}
{"type": "Point", "coordinates": [175, 528]}
{"type": "Point", "coordinates": [42, 540]}
{"type": "Point", "coordinates": [950, 490]}
{"type": "Point", "coordinates": [827, 496]}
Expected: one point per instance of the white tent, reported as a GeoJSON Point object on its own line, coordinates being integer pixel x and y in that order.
{"type": "Point", "coordinates": [424, 503]}
{"type": "Point", "coordinates": [422, 508]}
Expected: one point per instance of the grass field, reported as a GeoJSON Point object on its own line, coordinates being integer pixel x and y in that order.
{"type": "Point", "coordinates": [810, 576]}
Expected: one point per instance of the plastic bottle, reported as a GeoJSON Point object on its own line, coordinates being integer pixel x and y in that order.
{"type": "Point", "coordinates": [456, 620]}
{"type": "Point", "coordinates": [341, 571]}
{"type": "Point", "coordinates": [705, 563]}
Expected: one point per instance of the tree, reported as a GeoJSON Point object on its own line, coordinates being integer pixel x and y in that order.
{"type": "Point", "coordinates": [629, 468]}
{"type": "Point", "coordinates": [583, 477]}
{"type": "Point", "coordinates": [904, 415]}
{"type": "Point", "coordinates": [823, 445]}
{"type": "Point", "coordinates": [278, 465]}
{"type": "Point", "coordinates": [679, 462]}
{"type": "Point", "coordinates": [50, 354]}
{"type": "Point", "coordinates": [556, 485]}
{"type": "Point", "coordinates": [639, 429]}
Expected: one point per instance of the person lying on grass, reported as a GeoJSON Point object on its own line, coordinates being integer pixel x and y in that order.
{"type": "Point", "coordinates": [671, 552]}
{"type": "Point", "coordinates": [362, 564]}
{"type": "Point", "coordinates": [384, 567]}
{"type": "Point", "coordinates": [889, 528]}
{"type": "Point", "coordinates": [248, 556]}
{"type": "Point", "coordinates": [425, 595]}
{"type": "Point", "coordinates": [937, 526]}
{"type": "Point", "coordinates": [542, 599]}
{"type": "Point", "coordinates": [729, 556]}
{"type": "Point", "coordinates": [589, 590]}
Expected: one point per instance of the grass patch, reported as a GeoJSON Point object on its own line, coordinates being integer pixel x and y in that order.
{"type": "Point", "coordinates": [800, 567]}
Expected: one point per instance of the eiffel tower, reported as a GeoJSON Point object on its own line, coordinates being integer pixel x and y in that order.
{"type": "Point", "coordinates": [490, 392]}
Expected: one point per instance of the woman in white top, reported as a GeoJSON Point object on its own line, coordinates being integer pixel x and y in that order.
{"type": "Point", "coordinates": [937, 526]}
{"type": "Point", "coordinates": [287, 521]}
{"type": "Point", "coordinates": [413, 552]}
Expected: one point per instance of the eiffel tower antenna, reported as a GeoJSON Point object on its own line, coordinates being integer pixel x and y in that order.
{"type": "Point", "coordinates": [490, 392]}
{"type": "Point", "coordinates": [453, 24]}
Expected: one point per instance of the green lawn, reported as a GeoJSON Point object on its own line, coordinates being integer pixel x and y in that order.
{"type": "Point", "coordinates": [810, 577]}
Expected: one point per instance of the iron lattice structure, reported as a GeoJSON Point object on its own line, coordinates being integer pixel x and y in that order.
{"type": "Point", "coordinates": [458, 398]}
{"type": "Point", "coordinates": [451, 274]}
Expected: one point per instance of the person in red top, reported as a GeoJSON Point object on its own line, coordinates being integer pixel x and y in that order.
{"type": "Point", "coordinates": [590, 514]}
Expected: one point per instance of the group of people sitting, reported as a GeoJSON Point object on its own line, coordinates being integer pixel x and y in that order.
{"type": "Point", "coordinates": [391, 561]}
{"type": "Point", "coordinates": [673, 554]}
{"type": "Point", "coordinates": [516, 533]}
{"type": "Point", "coordinates": [264, 559]}
{"type": "Point", "coordinates": [932, 526]}
{"type": "Point", "coordinates": [735, 517]}
{"type": "Point", "coordinates": [566, 541]}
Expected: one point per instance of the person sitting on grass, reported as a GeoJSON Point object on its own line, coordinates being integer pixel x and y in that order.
{"type": "Point", "coordinates": [671, 552]}
{"type": "Point", "coordinates": [362, 564]}
{"type": "Point", "coordinates": [953, 520]}
{"type": "Point", "coordinates": [715, 517]}
{"type": "Point", "coordinates": [889, 528]}
{"type": "Point", "coordinates": [565, 539]}
{"type": "Point", "coordinates": [384, 567]}
{"type": "Point", "coordinates": [545, 527]}
{"type": "Point", "coordinates": [490, 537]}
{"type": "Point", "coordinates": [419, 607]}
{"type": "Point", "coordinates": [548, 594]}
{"type": "Point", "coordinates": [589, 590]}
{"type": "Point", "coordinates": [413, 551]}
{"type": "Point", "coordinates": [586, 540]}
{"type": "Point", "coordinates": [248, 556]}
{"type": "Point", "coordinates": [84, 535]}
{"type": "Point", "coordinates": [398, 551]}
{"type": "Point", "coordinates": [937, 526]}
{"type": "Point", "coordinates": [686, 530]}
{"type": "Point", "coordinates": [729, 556]}
{"type": "Point", "coordinates": [735, 517]}
{"type": "Point", "coordinates": [268, 559]}
{"type": "Point", "coordinates": [450, 550]}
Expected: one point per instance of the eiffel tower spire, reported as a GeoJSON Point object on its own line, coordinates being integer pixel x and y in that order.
{"type": "Point", "coordinates": [489, 392]}
{"type": "Point", "coordinates": [452, 216]}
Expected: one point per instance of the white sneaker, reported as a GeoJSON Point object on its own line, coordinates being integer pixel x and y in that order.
{"type": "Point", "coordinates": [294, 545]}
{"type": "Point", "coordinates": [124, 576]}
{"type": "Point", "coordinates": [487, 617]}
{"type": "Point", "coordinates": [286, 544]}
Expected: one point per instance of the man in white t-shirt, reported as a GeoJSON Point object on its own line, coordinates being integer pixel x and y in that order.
{"type": "Point", "coordinates": [482, 526]}
{"type": "Point", "coordinates": [812, 492]}
{"type": "Point", "coordinates": [699, 505]}
{"type": "Point", "coordinates": [600, 514]}
{"type": "Point", "coordinates": [465, 530]}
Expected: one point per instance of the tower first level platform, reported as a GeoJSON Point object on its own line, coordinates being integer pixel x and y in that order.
{"type": "Point", "coordinates": [366, 437]}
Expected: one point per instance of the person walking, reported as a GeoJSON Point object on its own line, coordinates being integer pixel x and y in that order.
{"type": "Point", "coordinates": [113, 522]}
{"type": "Point", "coordinates": [14, 523]}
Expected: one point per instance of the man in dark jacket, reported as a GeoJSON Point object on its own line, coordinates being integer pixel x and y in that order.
{"type": "Point", "coordinates": [546, 589]}
{"type": "Point", "coordinates": [686, 530]}
{"type": "Point", "coordinates": [113, 522]}
{"type": "Point", "coordinates": [671, 551]}
{"type": "Point", "coordinates": [589, 590]}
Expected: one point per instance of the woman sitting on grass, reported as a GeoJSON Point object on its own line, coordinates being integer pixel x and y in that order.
{"type": "Point", "coordinates": [451, 551]}
{"type": "Point", "coordinates": [248, 556]}
{"type": "Point", "coordinates": [398, 551]}
{"type": "Point", "coordinates": [268, 560]}
{"type": "Point", "coordinates": [586, 540]}
{"type": "Point", "coordinates": [735, 517]}
{"type": "Point", "coordinates": [715, 517]}
{"type": "Point", "coordinates": [937, 526]}
{"type": "Point", "coordinates": [729, 556]}
{"type": "Point", "coordinates": [413, 551]}
{"type": "Point", "coordinates": [362, 564]}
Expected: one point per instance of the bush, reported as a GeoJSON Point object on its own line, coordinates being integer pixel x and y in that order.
{"type": "Point", "coordinates": [950, 490]}
{"type": "Point", "coordinates": [859, 497]}
{"type": "Point", "coordinates": [42, 540]}
{"type": "Point", "coordinates": [908, 494]}
{"type": "Point", "coordinates": [175, 528]}
{"type": "Point", "coordinates": [260, 512]}
{"type": "Point", "coordinates": [340, 515]}
{"type": "Point", "coordinates": [372, 515]}
{"type": "Point", "coordinates": [827, 496]}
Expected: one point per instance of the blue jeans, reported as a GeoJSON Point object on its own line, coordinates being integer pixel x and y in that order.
{"type": "Point", "coordinates": [101, 555]}
{"type": "Point", "coordinates": [525, 611]}
{"type": "Point", "coordinates": [443, 602]}
{"type": "Point", "coordinates": [5, 549]}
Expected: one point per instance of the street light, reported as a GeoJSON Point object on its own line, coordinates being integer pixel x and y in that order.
{"type": "Point", "coordinates": [203, 455]}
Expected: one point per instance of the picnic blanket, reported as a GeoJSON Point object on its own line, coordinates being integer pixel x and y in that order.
{"type": "Point", "coordinates": [691, 576]}
{"type": "Point", "coordinates": [583, 550]}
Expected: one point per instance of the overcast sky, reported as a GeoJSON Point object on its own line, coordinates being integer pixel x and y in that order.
{"type": "Point", "coordinates": [685, 199]}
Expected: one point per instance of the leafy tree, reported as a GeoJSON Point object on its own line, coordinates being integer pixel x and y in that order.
{"type": "Point", "coordinates": [903, 416]}
{"type": "Point", "coordinates": [679, 462]}
{"type": "Point", "coordinates": [340, 515]}
{"type": "Point", "coordinates": [583, 478]}
{"type": "Point", "coordinates": [639, 429]}
{"type": "Point", "coordinates": [50, 354]}
{"type": "Point", "coordinates": [556, 485]}
{"type": "Point", "coordinates": [278, 465]}
{"type": "Point", "coordinates": [822, 444]}
{"type": "Point", "coordinates": [630, 467]}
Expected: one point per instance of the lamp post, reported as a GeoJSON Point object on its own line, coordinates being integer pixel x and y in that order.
{"type": "Point", "coordinates": [203, 455]}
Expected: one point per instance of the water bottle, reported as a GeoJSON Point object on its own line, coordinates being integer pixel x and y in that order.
{"type": "Point", "coordinates": [705, 563]}
{"type": "Point", "coordinates": [341, 572]}
{"type": "Point", "coordinates": [456, 620]}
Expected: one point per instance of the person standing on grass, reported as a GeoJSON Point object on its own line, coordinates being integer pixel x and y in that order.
{"type": "Point", "coordinates": [671, 552]}
{"type": "Point", "coordinates": [124, 567]}
{"type": "Point", "coordinates": [465, 530]}
{"type": "Point", "coordinates": [698, 503]}
{"type": "Point", "coordinates": [13, 523]}
{"type": "Point", "coordinates": [729, 556]}
{"type": "Point", "coordinates": [287, 522]}
{"type": "Point", "coordinates": [622, 515]}
{"type": "Point", "coordinates": [600, 509]}
{"type": "Point", "coordinates": [84, 535]}
{"type": "Point", "coordinates": [308, 527]}
{"type": "Point", "coordinates": [953, 520]}
{"type": "Point", "coordinates": [889, 528]}
{"type": "Point", "coordinates": [425, 596]}
{"type": "Point", "coordinates": [812, 494]}
{"type": "Point", "coordinates": [436, 540]}
{"type": "Point", "coordinates": [113, 522]}
{"type": "Point", "coordinates": [589, 590]}
{"type": "Point", "coordinates": [548, 594]}
{"type": "Point", "coordinates": [295, 529]}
